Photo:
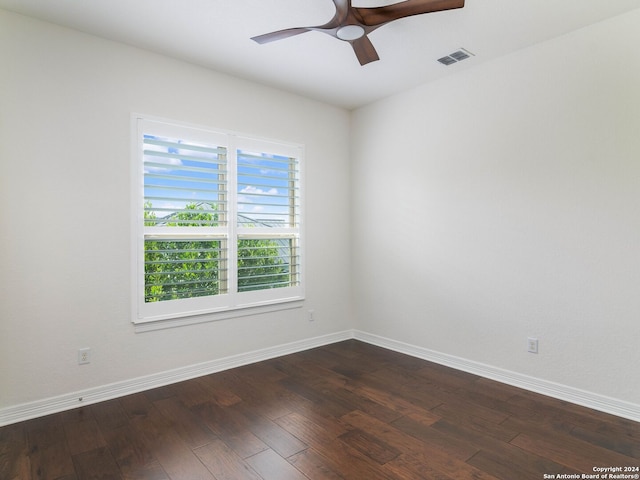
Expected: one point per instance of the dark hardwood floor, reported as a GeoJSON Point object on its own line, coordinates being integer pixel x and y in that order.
{"type": "Point", "coordinates": [348, 410]}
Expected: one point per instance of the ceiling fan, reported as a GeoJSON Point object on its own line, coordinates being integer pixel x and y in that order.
{"type": "Point", "coordinates": [353, 24]}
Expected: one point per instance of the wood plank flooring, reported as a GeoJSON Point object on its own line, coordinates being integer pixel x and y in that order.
{"type": "Point", "coordinates": [344, 411]}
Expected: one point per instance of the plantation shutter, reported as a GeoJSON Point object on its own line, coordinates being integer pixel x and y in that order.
{"type": "Point", "coordinates": [185, 215]}
{"type": "Point", "coordinates": [268, 220]}
{"type": "Point", "coordinates": [218, 222]}
{"type": "Point", "coordinates": [180, 177]}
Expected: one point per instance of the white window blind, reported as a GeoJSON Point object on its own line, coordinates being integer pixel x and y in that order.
{"type": "Point", "coordinates": [268, 221]}
{"type": "Point", "coordinates": [218, 222]}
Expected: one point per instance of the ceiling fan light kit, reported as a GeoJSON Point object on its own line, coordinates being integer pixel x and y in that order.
{"type": "Point", "coordinates": [349, 33]}
{"type": "Point", "coordinates": [353, 24]}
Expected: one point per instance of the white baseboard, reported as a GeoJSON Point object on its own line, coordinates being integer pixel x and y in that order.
{"type": "Point", "coordinates": [90, 396]}
{"type": "Point", "coordinates": [592, 400]}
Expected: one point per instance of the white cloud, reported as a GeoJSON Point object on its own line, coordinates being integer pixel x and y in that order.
{"type": "Point", "coordinates": [169, 162]}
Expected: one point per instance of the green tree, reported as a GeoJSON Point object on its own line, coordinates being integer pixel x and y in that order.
{"type": "Point", "coordinates": [262, 264]}
{"type": "Point", "coordinates": [182, 268]}
{"type": "Point", "coordinates": [185, 268]}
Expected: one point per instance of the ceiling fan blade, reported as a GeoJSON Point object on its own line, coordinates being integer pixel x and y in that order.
{"type": "Point", "coordinates": [279, 35]}
{"type": "Point", "coordinates": [380, 15]}
{"type": "Point", "coordinates": [365, 51]}
{"type": "Point", "coordinates": [343, 7]}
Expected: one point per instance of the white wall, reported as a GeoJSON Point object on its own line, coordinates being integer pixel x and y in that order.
{"type": "Point", "coordinates": [504, 202]}
{"type": "Point", "coordinates": [512, 210]}
{"type": "Point", "coordinates": [65, 105]}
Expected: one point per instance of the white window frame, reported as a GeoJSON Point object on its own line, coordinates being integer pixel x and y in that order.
{"type": "Point", "coordinates": [171, 313]}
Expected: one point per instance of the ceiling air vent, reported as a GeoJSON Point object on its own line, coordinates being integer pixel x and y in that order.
{"type": "Point", "coordinates": [455, 57]}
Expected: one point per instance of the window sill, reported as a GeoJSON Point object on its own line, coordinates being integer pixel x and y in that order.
{"type": "Point", "coordinates": [216, 316]}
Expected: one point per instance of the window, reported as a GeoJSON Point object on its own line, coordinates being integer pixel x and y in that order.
{"type": "Point", "coordinates": [218, 222]}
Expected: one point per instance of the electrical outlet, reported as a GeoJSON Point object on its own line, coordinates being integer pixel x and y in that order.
{"type": "Point", "coordinates": [84, 356]}
{"type": "Point", "coordinates": [532, 345]}
{"type": "Point", "coordinates": [310, 316]}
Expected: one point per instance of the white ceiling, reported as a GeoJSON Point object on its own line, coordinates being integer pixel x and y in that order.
{"type": "Point", "coordinates": [216, 34]}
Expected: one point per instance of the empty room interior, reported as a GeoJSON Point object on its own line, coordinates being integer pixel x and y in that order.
{"type": "Point", "coordinates": [457, 246]}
